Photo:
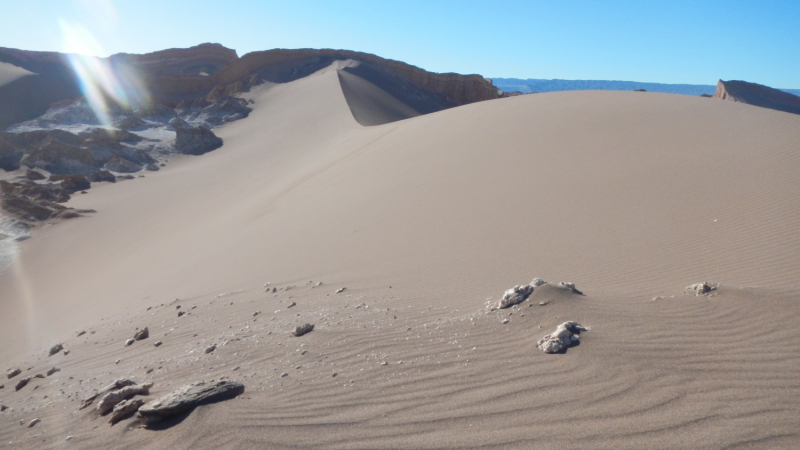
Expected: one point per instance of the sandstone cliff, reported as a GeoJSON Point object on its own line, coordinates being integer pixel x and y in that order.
{"type": "Point", "coordinates": [757, 95]}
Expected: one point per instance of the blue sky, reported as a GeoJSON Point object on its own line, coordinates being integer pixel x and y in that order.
{"type": "Point", "coordinates": [696, 42]}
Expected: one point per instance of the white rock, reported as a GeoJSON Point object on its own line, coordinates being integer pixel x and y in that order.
{"type": "Point", "coordinates": [538, 282]}
{"type": "Point", "coordinates": [564, 337]}
{"type": "Point", "coordinates": [515, 295]}
{"type": "Point", "coordinates": [34, 422]}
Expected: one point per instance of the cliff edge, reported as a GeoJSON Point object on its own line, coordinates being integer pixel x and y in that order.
{"type": "Point", "coordinates": [757, 95]}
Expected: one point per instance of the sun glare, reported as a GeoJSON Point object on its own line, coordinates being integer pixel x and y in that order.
{"type": "Point", "coordinates": [105, 84]}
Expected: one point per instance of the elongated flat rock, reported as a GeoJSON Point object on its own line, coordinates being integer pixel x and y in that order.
{"type": "Point", "coordinates": [189, 397]}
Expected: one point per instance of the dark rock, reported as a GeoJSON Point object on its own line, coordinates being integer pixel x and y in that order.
{"type": "Point", "coordinates": [100, 176]}
{"type": "Point", "coordinates": [10, 156]}
{"type": "Point", "coordinates": [22, 383]}
{"type": "Point", "coordinates": [53, 370]}
{"type": "Point", "coordinates": [72, 182]}
{"type": "Point", "coordinates": [120, 165]}
{"type": "Point", "coordinates": [34, 175]}
{"type": "Point", "coordinates": [196, 141]}
{"type": "Point", "coordinates": [130, 123]}
{"type": "Point", "coordinates": [13, 372]}
{"type": "Point", "coordinates": [55, 349]}
{"type": "Point", "coordinates": [152, 167]}
{"type": "Point", "coordinates": [189, 397]}
{"type": "Point", "coordinates": [144, 333]}
{"type": "Point", "coordinates": [176, 123]}
{"type": "Point", "coordinates": [303, 329]}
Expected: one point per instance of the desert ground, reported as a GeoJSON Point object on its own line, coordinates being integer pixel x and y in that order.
{"type": "Point", "coordinates": [333, 183]}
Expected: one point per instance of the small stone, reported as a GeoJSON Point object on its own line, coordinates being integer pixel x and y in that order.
{"type": "Point", "coordinates": [284, 374]}
{"type": "Point", "coordinates": [177, 306]}
{"type": "Point", "coordinates": [34, 421]}
{"type": "Point", "coordinates": [291, 304]}
{"type": "Point", "coordinates": [384, 363]}
{"type": "Point", "coordinates": [118, 361]}
{"type": "Point", "coordinates": [53, 370]}
{"type": "Point", "coordinates": [55, 349]}
{"type": "Point", "coordinates": [3, 407]}
{"type": "Point", "coordinates": [157, 344]}
{"type": "Point", "coordinates": [340, 290]}
{"type": "Point", "coordinates": [144, 333]}
{"type": "Point", "coordinates": [38, 375]}
{"type": "Point", "coordinates": [210, 348]}
{"type": "Point", "coordinates": [538, 282]}
{"type": "Point", "coordinates": [13, 372]}
{"type": "Point", "coordinates": [68, 438]}
{"type": "Point", "coordinates": [505, 321]}
{"type": "Point", "coordinates": [180, 313]}
{"type": "Point", "coordinates": [303, 329]}
{"type": "Point", "coordinates": [81, 333]}
{"type": "Point", "coordinates": [129, 342]}
{"type": "Point", "coordinates": [334, 374]}
{"type": "Point", "coordinates": [256, 313]}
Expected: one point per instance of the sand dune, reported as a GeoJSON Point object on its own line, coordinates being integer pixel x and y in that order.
{"type": "Point", "coordinates": [10, 72]}
{"type": "Point", "coordinates": [630, 196]}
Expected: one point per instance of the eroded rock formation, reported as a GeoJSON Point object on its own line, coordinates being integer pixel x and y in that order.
{"type": "Point", "coordinates": [758, 95]}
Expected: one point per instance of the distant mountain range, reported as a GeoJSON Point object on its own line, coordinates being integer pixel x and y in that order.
{"type": "Point", "coordinates": [537, 85]}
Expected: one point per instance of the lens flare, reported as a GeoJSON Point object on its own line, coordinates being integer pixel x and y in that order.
{"type": "Point", "coordinates": [106, 83]}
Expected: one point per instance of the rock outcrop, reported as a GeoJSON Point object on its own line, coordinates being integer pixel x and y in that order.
{"type": "Point", "coordinates": [702, 288]}
{"type": "Point", "coordinates": [515, 295]}
{"type": "Point", "coordinates": [757, 95]}
{"type": "Point", "coordinates": [116, 384]}
{"type": "Point", "coordinates": [189, 397]}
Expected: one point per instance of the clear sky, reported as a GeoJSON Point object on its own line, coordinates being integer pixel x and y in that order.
{"type": "Point", "coordinates": [678, 41]}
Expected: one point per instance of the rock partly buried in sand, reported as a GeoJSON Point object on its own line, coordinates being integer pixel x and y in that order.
{"type": "Point", "coordinates": [303, 329]}
{"type": "Point", "coordinates": [34, 422]}
{"type": "Point", "coordinates": [702, 288]}
{"type": "Point", "coordinates": [101, 176]}
{"type": "Point", "coordinates": [3, 408]}
{"type": "Point", "coordinates": [515, 295]}
{"type": "Point", "coordinates": [570, 286]}
{"type": "Point", "coordinates": [55, 349]}
{"type": "Point", "coordinates": [561, 339]}
{"type": "Point", "coordinates": [196, 141]}
{"type": "Point", "coordinates": [188, 397]}
{"type": "Point", "coordinates": [124, 409]}
{"type": "Point", "coordinates": [210, 348]}
{"type": "Point", "coordinates": [22, 382]}
{"type": "Point", "coordinates": [117, 384]}
{"type": "Point", "coordinates": [144, 333]}
{"type": "Point", "coordinates": [53, 370]}
{"type": "Point", "coordinates": [121, 165]}
{"type": "Point", "coordinates": [13, 372]}
{"type": "Point", "coordinates": [129, 342]}
{"type": "Point", "coordinates": [110, 400]}
{"type": "Point", "coordinates": [538, 282]}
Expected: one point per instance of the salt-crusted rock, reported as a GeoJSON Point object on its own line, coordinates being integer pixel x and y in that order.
{"type": "Point", "coordinates": [564, 337]}
{"type": "Point", "coordinates": [303, 329]}
{"type": "Point", "coordinates": [144, 333]}
{"type": "Point", "coordinates": [188, 397]}
{"type": "Point", "coordinates": [13, 372]}
{"type": "Point", "coordinates": [117, 384]}
{"type": "Point", "coordinates": [571, 287]}
{"type": "Point", "coordinates": [53, 370]}
{"type": "Point", "coordinates": [515, 295]}
{"type": "Point", "coordinates": [124, 409]}
{"type": "Point", "coordinates": [55, 349]}
{"type": "Point", "coordinates": [22, 382]}
{"type": "Point", "coordinates": [701, 288]}
{"type": "Point", "coordinates": [538, 282]}
{"type": "Point", "coordinates": [111, 399]}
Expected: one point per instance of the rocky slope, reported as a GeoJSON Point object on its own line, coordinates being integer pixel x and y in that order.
{"type": "Point", "coordinates": [758, 95]}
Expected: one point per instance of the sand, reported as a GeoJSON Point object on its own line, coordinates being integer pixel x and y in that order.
{"type": "Point", "coordinates": [631, 196]}
{"type": "Point", "coordinates": [10, 73]}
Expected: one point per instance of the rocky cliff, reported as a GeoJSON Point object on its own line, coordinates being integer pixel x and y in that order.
{"type": "Point", "coordinates": [183, 75]}
{"type": "Point", "coordinates": [757, 95]}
